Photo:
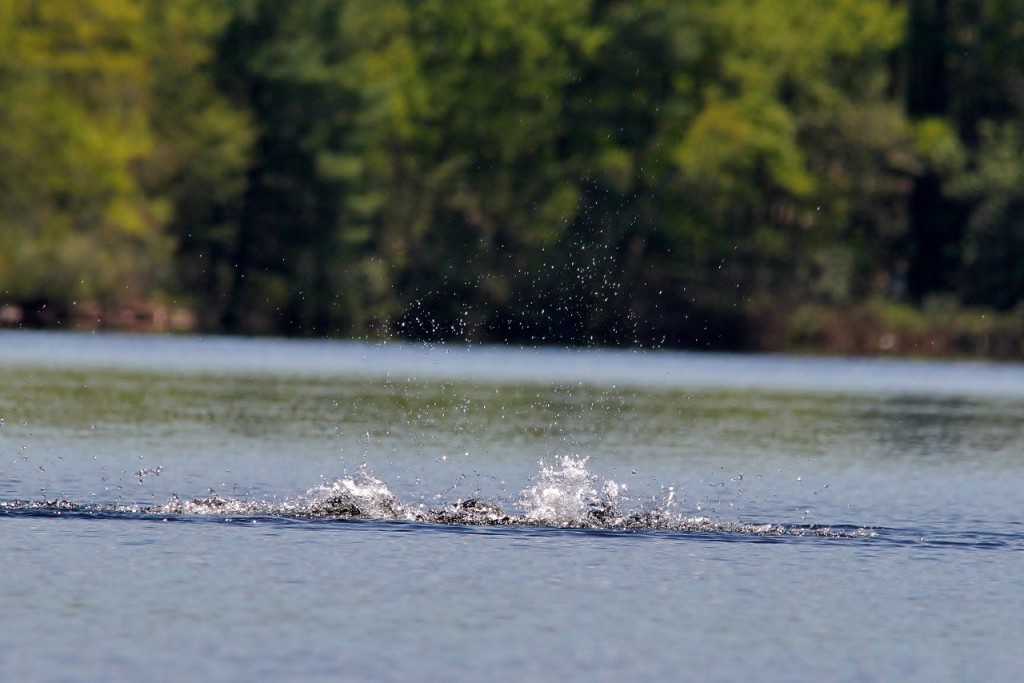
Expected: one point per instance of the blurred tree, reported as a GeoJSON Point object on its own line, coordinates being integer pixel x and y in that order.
{"type": "Point", "coordinates": [935, 223]}
{"type": "Point", "coordinates": [279, 62]}
{"type": "Point", "coordinates": [986, 63]}
{"type": "Point", "coordinates": [796, 160]}
{"type": "Point", "coordinates": [964, 72]}
{"type": "Point", "coordinates": [75, 223]}
{"type": "Point", "coordinates": [579, 171]}
{"type": "Point", "coordinates": [202, 151]}
{"type": "Point", "coordinates": [460, 181]}
{"type": "Point", "coordinates": [565, 174]}
{"type": "Point", "coordinates": [993, 252]}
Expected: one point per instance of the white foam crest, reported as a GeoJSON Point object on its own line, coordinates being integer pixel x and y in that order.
{"type": "Point", "coordinates": [566, 494]}
{"type": "Point", "coordinates": [361, 495]}
{"type": "Point", "coordinates": [211, 505]}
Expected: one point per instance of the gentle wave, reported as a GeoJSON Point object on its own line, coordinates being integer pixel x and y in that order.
{"type": "Point", "coordinates": [475, 512]}
{"type": "Point", "coordinates": [453, 517]}
{"type": "Point", "coordinates": [563, 496]}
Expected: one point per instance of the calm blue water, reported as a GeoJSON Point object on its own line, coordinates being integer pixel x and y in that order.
{"type": "Point", "coordinates": [229, 509]}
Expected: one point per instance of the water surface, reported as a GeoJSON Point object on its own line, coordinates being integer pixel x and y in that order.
{"type": "Point", "coordinates": [229, 508]}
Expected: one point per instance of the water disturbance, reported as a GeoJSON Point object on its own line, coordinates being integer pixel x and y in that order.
{"type": "Point", "coordinates": [565, 495]}
{"type": "Point", "coordinates": [220, 509]}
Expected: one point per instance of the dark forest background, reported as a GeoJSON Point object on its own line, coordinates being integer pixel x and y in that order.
{"type": "Point", "coordinates": [724, 174]}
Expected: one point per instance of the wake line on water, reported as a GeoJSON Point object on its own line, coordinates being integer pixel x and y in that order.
{"type": "Point", "coordinates": [565, 495]}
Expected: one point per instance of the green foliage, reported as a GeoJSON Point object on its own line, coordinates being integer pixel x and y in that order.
{"type": "Point", "coordinates": [993, 244]}
{"type": "Point", "coordinates": [574, 171]}
{"type": "Point", "coordinates": [203, 147]}
{"type": "Point", "coordinates": [461, 114]}
{"type": "Point", "coordinates": [940, 328]}
{"type": "Point", "coordinates": [796, 144]}
{"type": "Point", "coordinates": [74, 220]}
{"type": "Point", "coordinates": [118, 146]}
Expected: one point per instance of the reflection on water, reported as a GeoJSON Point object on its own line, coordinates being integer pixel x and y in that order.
{"type": "Point", "coordinates": [941, 429]}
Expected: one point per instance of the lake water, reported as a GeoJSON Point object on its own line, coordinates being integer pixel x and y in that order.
{"type": "Point", "coordinates": [233, 509]}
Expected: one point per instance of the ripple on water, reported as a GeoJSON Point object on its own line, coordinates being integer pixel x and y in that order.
{"type": "Point", "coordinates": [564, 495]}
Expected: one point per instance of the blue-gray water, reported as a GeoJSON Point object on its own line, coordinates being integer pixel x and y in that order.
{"type": "Point", "coordinates": [165, 513]}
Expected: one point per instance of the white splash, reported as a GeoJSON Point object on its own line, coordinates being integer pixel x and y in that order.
{"type": "Point", "coordinates": [363, 494]}
{"type": "Point", "coordinates": [566, 494]}
{"type": "Point", "coordinates": [210, 505]}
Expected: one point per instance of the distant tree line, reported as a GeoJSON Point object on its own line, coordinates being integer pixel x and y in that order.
{"type": "Point", "coordinates": [646, 172]}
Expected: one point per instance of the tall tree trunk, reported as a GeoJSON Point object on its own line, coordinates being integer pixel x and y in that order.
{"type": "Point", "coordinates": [935, 226]}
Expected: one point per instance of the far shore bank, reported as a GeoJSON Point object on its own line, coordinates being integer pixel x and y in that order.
{"type": "Point", "coordinates": [869, 329]}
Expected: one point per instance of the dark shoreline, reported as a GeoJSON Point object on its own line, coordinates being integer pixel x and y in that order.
{"type": "Point", "coordinates": [871, 329]}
